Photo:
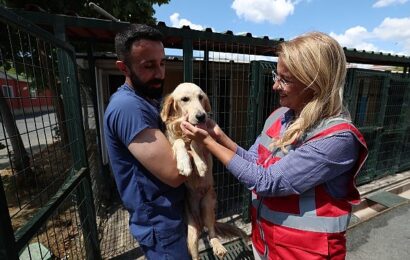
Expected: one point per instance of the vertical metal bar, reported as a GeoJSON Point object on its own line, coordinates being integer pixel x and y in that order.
{"type": "Point", "coordinates": [87, 209]}
{"type": "Point", "coordinates": [354, 91]}
{"type": "Point", "coordinates": [72, 108]}
{"type": "Point", "coordinates": [188, 59]}
{"type": "Point", "coordinates": [251, 130]}
{"type": "Point", "coordinates": [7, 241]}
{"type": "Point", "coordinates": [384, 98]}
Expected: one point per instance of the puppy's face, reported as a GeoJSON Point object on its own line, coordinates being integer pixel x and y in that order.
{"type": "Point", "coordinates": [187, 100]}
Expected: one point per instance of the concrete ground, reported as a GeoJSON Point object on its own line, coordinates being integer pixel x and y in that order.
{"type": "Point", "coordinates": [384, 232]}
{"type": "Point", "coordinates": [386, 236]}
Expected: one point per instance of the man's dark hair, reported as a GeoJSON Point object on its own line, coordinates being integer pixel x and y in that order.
{"type": "Point", "coordinates": [135, 32]}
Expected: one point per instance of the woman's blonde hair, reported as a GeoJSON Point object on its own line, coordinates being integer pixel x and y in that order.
{"type": "Point", "coordinates": [317, 61]}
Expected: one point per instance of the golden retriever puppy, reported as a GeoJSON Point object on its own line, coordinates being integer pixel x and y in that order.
{"type": "Point", "coordinates": [189, 102]}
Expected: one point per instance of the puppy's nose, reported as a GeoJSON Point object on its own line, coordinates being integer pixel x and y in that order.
{"type": "Point", "coordinates": [201, 117]}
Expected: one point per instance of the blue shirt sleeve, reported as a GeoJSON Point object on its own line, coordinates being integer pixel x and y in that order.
{"type": "Point", "coordinates": [128, 117]}
{"type": "Point", "coordinates": [251, 155]}
{"type": "Point", "coordinates": [314, 163]}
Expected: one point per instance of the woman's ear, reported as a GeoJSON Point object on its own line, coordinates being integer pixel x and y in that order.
{"type": "Point", "coordinates": [167, 108]}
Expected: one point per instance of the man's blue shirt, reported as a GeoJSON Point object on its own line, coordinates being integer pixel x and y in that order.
{"type": "Point", "coordinates": [154, 207]}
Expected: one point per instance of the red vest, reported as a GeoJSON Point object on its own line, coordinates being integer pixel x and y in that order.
{"type": "Point", "coordinates": [311, 225]}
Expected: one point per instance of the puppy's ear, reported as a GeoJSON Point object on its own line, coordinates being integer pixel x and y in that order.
{"type": "Point", "coordinates": [167, 108]}
{"type": "Point", "coordinates": [207, 104]}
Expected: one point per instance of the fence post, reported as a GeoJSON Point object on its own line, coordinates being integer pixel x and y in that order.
{"type": "Point", "coordinates": [188, 59]}
{"type": "Point", "coordinates": [72, 110]}
{"type": "Point", "coordinates": [7, 240]}
{"type": "Point", "coordinates": [86, 209]}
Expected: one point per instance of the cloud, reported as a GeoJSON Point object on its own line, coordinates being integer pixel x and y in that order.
{"type": "Point", "coordinates": [396, 30]}
{"type": "Point", "coordinates": [385, 3]}
{"type": "Point", "coordinates": [355, 37]}
{"type": "Point", "coordinates": [179, 22]}
{"type": "Point", "coordinates": [390, 30]}
{"type": "Point", "coordinates": [258, 11]}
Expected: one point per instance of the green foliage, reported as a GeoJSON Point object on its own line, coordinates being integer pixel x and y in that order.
{"type": "Point", "coordinates": [135, 11]}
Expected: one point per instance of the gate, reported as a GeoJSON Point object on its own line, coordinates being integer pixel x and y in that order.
{"type": "Point", "coordinates": [46, 204]}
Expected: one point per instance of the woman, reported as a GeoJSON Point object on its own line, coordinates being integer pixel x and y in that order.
{"type": "Point", "coordinates": [302, 167]}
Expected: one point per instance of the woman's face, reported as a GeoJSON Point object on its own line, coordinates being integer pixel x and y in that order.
{"type": "Point", "coordinates": [292, 93]}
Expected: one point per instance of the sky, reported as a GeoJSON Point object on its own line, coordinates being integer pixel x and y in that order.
{"type": "Point", "coordinates": [371, 25]}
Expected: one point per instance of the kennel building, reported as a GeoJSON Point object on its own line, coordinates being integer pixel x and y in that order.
{"type": "Point", "coordinates": [61, 203]}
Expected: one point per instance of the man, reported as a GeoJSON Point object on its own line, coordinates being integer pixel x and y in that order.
{"type": "Point", "coordinates": [141, 157]}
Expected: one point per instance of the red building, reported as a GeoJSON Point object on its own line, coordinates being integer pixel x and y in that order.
{"type": "Point", "coordinates": [21, 98]}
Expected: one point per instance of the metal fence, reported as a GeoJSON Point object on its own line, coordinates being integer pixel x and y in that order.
{"type": "Point", "coordinates": [46, 205]}
{"type": "Point", "coordinates": [46, 200]}
{"type": "Point", "coordinates": [224, 75]}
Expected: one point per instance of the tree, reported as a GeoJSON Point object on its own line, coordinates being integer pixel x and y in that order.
{"type": "Point", "coordinates": [135, 11]}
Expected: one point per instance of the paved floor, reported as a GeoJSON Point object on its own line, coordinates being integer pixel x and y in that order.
{"type": "Point", "coordinates": [386, 236]}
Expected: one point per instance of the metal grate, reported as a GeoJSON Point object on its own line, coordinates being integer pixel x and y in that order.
{"type": "Point", "coordinates": [237, 250]}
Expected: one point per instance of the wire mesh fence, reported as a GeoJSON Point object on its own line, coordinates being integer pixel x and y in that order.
{"type": "Point", "coordinates": [396, 106]}
{"type": "Point", "coordinates": [224, 74]}
{"type": "Point", "coordinates": [41, 148]}
{"type": "Point", "coordinates": [62, 235]}
{"type": "Point", "coordinates": [404, 162]}
{"type": "Point", "coordinates": [378, 102]}
{"type": "Point", "coordinates": [368, 171]}
{"type": "Point", "coordinates": [35, 159]}
{"type": "Point", "coordinates": [368, 91]}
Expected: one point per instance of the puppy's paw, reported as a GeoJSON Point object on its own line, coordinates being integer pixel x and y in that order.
{"type": "Point", "coordinates": [184, 167]}
{"type": "Point", "coordinates": [217, 247]}
{"type": "Point", "coordinates": [202, 168]}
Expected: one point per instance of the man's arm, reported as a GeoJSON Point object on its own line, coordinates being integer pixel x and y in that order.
{"type": "Point", "coordinates": [152, 149]}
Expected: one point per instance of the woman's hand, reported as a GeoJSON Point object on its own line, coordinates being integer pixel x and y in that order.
{"type": "Point", "coordinates": [214, 130]}
{"type": "Point", "coordinates": [198, 133]}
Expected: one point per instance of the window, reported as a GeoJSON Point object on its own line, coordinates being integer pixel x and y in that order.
{"type": "Point", "coordinates": [33, 92]}
{"type": "Point", "coordinates": [7, 91]}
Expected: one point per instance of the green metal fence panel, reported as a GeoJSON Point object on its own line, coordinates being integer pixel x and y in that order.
{"type": "Point", "coordinates": [42, 147]}
{"type": "Point", "coordinates": [397, 105]}
{"type": "Point", "coordinates": [366, 96]}
{"type": "Point", "coordinates": [267, 100]}
{"type": "Point", "coordinates": [404, 162]}
{"type": "Point", "coordinates": [389, 152]}
{"type": "Point", "coordinates": [368, 171]}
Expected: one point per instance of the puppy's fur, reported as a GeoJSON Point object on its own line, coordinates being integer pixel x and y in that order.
{"type": "Point", "coordinates": [189, 101]}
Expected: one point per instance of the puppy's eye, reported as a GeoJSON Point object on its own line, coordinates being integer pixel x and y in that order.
{"type": "Point", "coordinates": [185, 99]}
{"type": "Point", "coordinates": [200, 97]}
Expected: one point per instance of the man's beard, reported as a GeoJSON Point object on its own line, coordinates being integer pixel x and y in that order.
{"type": "Point", "coordinates": [145, 89]}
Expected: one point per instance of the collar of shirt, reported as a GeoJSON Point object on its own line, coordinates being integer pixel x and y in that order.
{"type": "Point", "coordinates": [287, 118]}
